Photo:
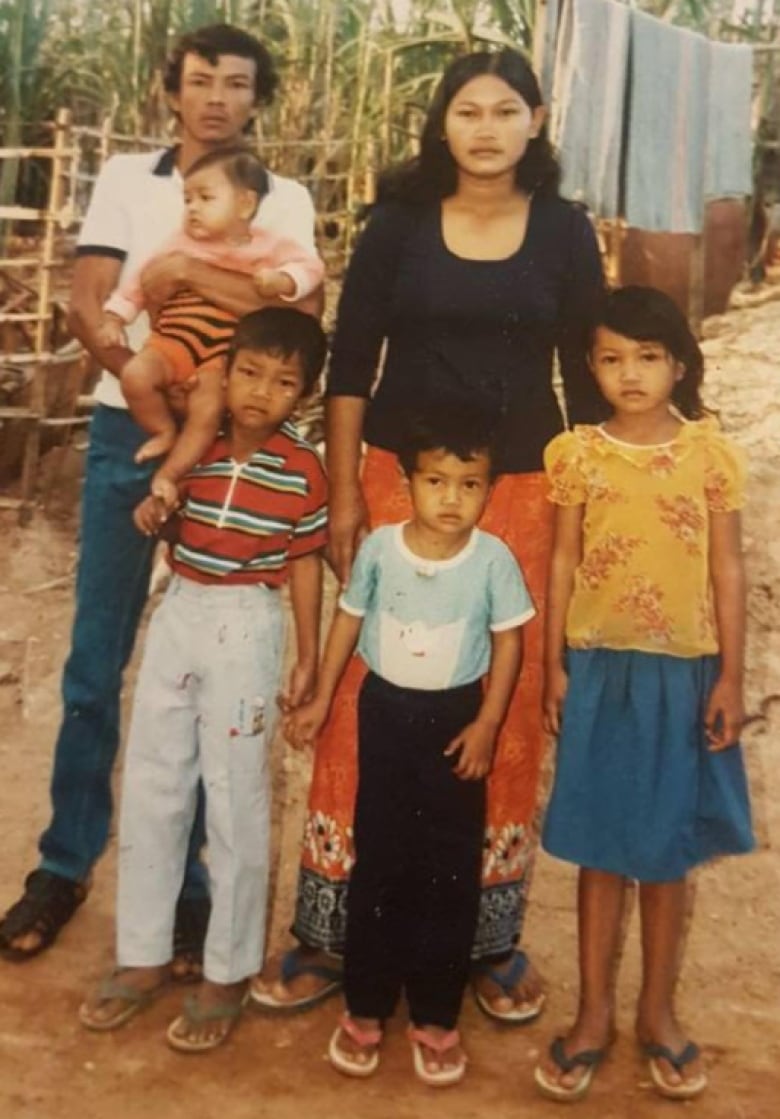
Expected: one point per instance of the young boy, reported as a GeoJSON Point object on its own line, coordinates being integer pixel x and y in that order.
{"type": "Point", "coordinates": [433, 605]}
{"type": "Point", "coordinates": [222, 191]}
{"type": "Point", "coordinates": [253, 516]}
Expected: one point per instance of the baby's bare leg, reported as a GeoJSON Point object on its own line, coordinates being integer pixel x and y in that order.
{"type": "Point", "coordinates": [206, 404]}
{"type": "Point", "coordinates": [144, 381]}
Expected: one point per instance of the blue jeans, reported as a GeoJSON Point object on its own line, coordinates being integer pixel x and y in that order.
{"type": "Point", "coordinates": [111, 588]}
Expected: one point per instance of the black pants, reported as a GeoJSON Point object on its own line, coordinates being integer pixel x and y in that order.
{"type": "Point", "coordinates": [413, 893]}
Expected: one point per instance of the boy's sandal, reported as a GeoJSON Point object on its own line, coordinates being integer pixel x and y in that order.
{"type": "Point", "coordinates": [445, 1075]}
{"type": "Point", "coordinates": [47, 904]}
{"type": "Point", "coordinates": [129, 1001]}
{"type": "Point", "coordinates": [190, 925]}
{"type": "Point", "coordinates": [194, 1015]}
{"type": "Point", "coordinates": [686, 1089]}
{"type": "Point", "coordinates": [294, 963]}
{"type": "Point", "coordinates": [506, 980]}
{"type": "Point", "coordinates": [362, 1062]}
{"type": "Point", "coordinates": [588, 1059]}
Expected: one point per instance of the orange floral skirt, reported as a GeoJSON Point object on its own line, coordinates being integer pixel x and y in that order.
{"type": "Point", "coordinates": [519, 513]}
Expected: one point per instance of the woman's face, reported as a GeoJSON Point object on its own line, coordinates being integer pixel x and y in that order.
{"type": "Point", "coordinates": [487, 127]}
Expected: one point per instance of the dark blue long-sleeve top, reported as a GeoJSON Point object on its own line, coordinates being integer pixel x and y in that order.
{"type": "Point", "coordinates": [456, 327]}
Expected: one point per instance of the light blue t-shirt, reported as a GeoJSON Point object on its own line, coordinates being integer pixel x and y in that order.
{"type": "Point", "coordinates": [427, 623]}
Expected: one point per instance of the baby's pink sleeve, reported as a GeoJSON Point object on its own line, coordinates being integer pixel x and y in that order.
{"type": "Point", "coordinates": [304, 268]}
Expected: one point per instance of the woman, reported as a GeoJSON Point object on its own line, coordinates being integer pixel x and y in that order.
{"type": "Point", "coordinates": [473, 272]}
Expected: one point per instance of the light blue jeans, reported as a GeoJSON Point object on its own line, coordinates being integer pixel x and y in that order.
{"type": "Point", "coordinates": [204, 708]}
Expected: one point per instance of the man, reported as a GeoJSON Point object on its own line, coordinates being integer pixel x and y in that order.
{"type": "Point", "coordinates": [215, 79]}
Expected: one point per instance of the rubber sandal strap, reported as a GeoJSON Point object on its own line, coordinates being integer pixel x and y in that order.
{"type": "Point", "coordinates": [195, 1014]}
{"type": "Point", "coordinates": [508, 978]}
{"type": "Point", "coordinates": [587, 1058]}
{"type": "Point", "coordinates": [293, 966]}
{"type": "Point", "coordinates": [363, 1038]}
{"type": "Point", "coordinates": [678, 1061]}
{"type": "Point", "coordinates": [441, 1044]}
{"type": "Point", "coordinates": [112, 987]}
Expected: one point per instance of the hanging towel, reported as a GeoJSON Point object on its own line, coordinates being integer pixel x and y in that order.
{"type": "Point", "coordinates": [667, 127]}
{"type": "Point", "coordinates": [552, 13]}
{"type": "Point", "coordinates": [588, 101]}
{"type": "Point", "coordinates": [729, 148]}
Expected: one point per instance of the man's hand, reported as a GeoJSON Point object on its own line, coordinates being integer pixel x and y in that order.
{"type": "Point", "coordinates": [161, 278]}
{"type": "Point", "coordinates": [476, 744]}
{"type": "Point", "coordinates": [271, 282]}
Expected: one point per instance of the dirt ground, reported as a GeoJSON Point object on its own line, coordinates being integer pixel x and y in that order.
{"type": "Point", "coordinates": [50, 1068]}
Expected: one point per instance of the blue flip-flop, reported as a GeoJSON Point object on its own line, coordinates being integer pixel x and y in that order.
{"type": "Point", "coordinates": [686, 1089]}
{"type": "Point", "coordinates": [587, 1059]}
{"type": "Point", "coordinates": [294, 965]}
{"type": "Point", "coordinates": [506, 981]}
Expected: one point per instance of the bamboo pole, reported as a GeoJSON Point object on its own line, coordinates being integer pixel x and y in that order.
{"type": "Point", "coordinates": [38, 386]}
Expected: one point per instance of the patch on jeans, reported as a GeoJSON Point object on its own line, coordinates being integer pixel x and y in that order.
{"type": "Point", "coordinates": [251, 718]}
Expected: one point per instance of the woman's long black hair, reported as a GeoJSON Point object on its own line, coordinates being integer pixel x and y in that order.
{"type": "Point", "coordinates": [433, 174]}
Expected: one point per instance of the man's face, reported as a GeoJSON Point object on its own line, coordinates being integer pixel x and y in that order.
{"type": "Point", "coordinates": [214, 103]}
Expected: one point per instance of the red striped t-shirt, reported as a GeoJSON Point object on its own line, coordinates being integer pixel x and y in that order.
{"type": "Point", "coordinates": [242, 521]}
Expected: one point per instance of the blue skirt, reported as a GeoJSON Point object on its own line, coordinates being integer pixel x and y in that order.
{"type": "Point", "coordinates": [637, 792]}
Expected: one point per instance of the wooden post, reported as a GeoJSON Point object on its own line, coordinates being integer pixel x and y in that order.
{"type": "Point", "coordinates": [43, 317]}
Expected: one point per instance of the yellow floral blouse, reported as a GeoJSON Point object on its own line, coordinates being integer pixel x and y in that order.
{"type": "Point", "coordinates": [643, 582]}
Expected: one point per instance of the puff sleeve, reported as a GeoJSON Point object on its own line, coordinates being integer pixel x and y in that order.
{"type": "Point", "coordinates": [563, 465]}
{"type": "Point", "coordinates": [725, 472]}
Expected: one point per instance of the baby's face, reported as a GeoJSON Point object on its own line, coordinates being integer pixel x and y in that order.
{"type": "Point", "coordinates": [214, 207]}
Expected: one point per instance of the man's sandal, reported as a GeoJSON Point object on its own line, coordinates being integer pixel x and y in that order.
{"type": "Point", "coordinates": [294, 963]}
{"type": "Point", "coordinates": [686, 1089]}
{"type": "Point", "coordinates": [194, 1015]}
{"type": "Point", "coordinates": [130, 1000]}
{"type": "Point", "coordinates": [446, 1075]}
{"type": "Point", "coordinates": [364, 1061]}
{"type": "Point", "coordinates": [48, 903]}
{"type": "Point", "coordinates": [587, 1059]}
{"type": "Point", "coordinates": [506, 980]}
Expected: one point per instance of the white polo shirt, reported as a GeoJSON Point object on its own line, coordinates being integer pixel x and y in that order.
{"type": "Point", "coordinates": [136, 205]}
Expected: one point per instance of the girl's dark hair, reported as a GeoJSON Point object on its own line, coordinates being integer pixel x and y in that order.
{"type": "Point", "coordinates": [649, 315]}
{"type": "Point", "coordinates": [458, 429]}
{"type": "Point", "coordinates": [241, 166]}
{"type": "Point", "coordinates": [283, 331]}
{"type": "Point", "coordinates": [433, 174]}
{"type": "Point", "coordinates": [222, 38]}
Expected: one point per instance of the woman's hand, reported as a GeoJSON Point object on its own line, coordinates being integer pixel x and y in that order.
{"type": "Point", "coordinates": [556, 683]}
{"type": "Point", "coordinates": [725, 714]}
{"type": "Point", "coordinates": [348, 524]}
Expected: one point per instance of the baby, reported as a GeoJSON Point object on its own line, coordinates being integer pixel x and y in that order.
{"type": "Point", "coordinates": [222, 191]}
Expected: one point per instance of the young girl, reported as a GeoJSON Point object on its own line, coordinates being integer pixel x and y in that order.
{"type": "Point", "coordinates": [436, 604]}
{"type": "Point", "coordinates": [643, 663]}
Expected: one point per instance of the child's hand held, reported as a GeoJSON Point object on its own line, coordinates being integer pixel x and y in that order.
{"type": "Point", "coordinates": [150, 515]}
{"type": "Point", "coordinates": [300, 688]}
{"type": "Point", "coordinates": [476, 744]}
{"type": "Point", "coordinates": [301, 726]}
